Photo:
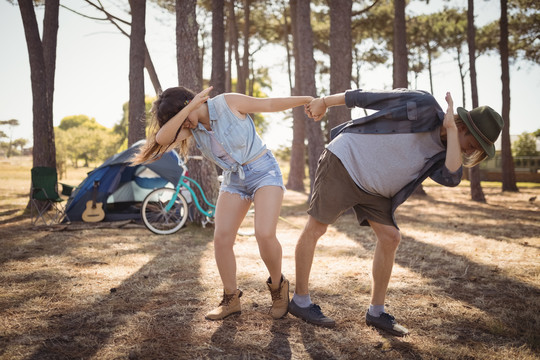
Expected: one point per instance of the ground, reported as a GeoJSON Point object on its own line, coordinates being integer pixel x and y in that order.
{"type": "Point", "coordinates": [466, 283]}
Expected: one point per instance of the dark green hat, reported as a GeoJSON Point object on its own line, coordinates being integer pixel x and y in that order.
{"type": "Point", "coordinates": [485, 124]}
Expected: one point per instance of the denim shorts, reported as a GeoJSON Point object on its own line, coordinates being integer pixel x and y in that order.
{"type": "Point", "coordinates": [263, 171]}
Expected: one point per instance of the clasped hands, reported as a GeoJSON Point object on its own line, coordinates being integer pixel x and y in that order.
{"type": "Point", "coordinates": [315, 109]}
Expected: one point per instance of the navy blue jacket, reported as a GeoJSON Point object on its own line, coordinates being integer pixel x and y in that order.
{"type": "Point", "coordinates": [401, 111]}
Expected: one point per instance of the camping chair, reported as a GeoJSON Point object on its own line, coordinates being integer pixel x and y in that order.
{"type": "Point", "coordinates": [43, 196]}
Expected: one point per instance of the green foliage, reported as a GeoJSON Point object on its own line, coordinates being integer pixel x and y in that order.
{"type": "Point", "coordinates": [8, 147]}
{"type": "Point", "coordinates": [524, 32]}
{"type": "Point", "coordinates": [11, 122]}
{"type": "Point", "coordinates": [74, 121]}
{"type": "Point", "coordinates": [524, 27]}
{"type": "Point", "coordinates": [20, 143]}
{"type": "Point", "coordinates": [283, 153]}
{"type": "Point", "coordinates": [525, 145]}
{"type": "Point", "coordinates": [81, 138]}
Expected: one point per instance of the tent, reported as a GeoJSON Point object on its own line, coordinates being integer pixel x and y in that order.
{"type": "Point", "coordinates": [121, 188]}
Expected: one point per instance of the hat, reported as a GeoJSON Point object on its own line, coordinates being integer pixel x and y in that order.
{"type": "Point", "coordinates": [485, 124]}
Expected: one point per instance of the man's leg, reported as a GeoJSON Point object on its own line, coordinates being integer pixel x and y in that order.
{"type": "Point", "coordinates": [388, 239]}
{"type": "Point", "coordinates": [305, 251]}
{"type": "Point", "coordinates": [301, 305]}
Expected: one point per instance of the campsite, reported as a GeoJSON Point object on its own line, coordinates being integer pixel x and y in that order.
{"type": "Point", "coordinates": [121, 186]}
{"type": "Point", "coordinates": [466, 286]}
{"type": "Point", "coordinates": [372, 105]}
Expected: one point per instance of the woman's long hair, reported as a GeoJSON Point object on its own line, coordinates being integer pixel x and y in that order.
{"type": "Point", "coordinates": [475, 157]}
{"type": "Point", "coordinates": [168, 104]}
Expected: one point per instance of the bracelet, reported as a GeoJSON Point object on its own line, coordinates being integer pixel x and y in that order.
{"type": "Point", "coordinates": [324, 102]}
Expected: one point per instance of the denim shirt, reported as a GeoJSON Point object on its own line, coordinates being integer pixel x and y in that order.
{"type": "Point", "coordinates": [401, 111]}
{"type": "Point", "coordinates": [237, 136]}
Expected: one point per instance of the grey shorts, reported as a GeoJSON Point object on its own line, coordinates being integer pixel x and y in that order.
{"type": "Point", "coordinates": [335, 192]}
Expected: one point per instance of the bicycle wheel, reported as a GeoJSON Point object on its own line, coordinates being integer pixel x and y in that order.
{"type": "Point", "coordinates": [157, 219]}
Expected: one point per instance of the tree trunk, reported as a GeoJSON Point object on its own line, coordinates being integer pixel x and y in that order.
{"type": "Point", "coordinates": [137, 56]}
{"type": "Point", "coordinates": [230, 45]}
{"type": "Point", "coordinates": [477, 194]}
{"type": "Point", "coordinates": [233, 28]}
{"type": "Point", "coordinates": [508, 174]}
{"type": "Point", "coordinates": [286, 34]}
{"type": "Point", "coordinates": [297, 165]}
{"type": "Point", "coordinates": [306, 67]}
{"type": "Point", "coordinates": [50, 36]}
{"type": "Point", "coordinates": [149, 65]}
{"type": "Point", "coordinates": [187, 50]}
{"type": "Point", "coordinates": [340, 58]}
{"type": "Point", "coordinates": [400, 66]}
{"type": "Point", "coordinates": [187, 47]}
{"type": "Point", "coordinates": [461, 66]}
{"type": "Point", "coordinates": [217, 78]}
{"type": "Point", "coordinates": [42, 57]}
{"type": "Point", "coordinates": [430, 69]}
{"type": "Point", "coordinates": [243, 71]}
{"type": "Point", "coordinates": [399, 53]}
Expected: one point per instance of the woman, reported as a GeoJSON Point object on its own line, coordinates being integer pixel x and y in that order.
{"type": "Point", "coordinates": [224, 133]}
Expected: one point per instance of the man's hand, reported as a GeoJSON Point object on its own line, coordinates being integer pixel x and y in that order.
{"type": "Point", "coordinates": [315, 109]}
{"type": "Point", "coordinates": [449, 122]}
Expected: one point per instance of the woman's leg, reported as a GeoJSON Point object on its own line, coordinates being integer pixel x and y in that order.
{"type": "Point", "coordinates": [268, 201]}
{"type": "Point", "coordinates": [230, 212]}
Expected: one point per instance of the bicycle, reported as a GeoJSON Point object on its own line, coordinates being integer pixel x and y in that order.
{"type": "Point", "coordinates": [165, 210]}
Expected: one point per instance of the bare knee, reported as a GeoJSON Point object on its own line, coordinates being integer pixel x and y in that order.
{"type": "Point", "coordinates": [314, 229]}
{"type": "Point", "coordinates": [223, 241]}
{"type": "Point", "coordinates": [389, 238]}
{"type": "Point", "coordinates": [264, 235]}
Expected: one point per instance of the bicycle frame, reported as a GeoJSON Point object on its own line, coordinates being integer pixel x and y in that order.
{"type": "Point", "coordinates": [181, 183]}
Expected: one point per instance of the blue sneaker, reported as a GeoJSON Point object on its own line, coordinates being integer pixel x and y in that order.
{"type": "Point", "coordinates": [312, 314]}
{"type": "Point", "coordinates": [387, 323]}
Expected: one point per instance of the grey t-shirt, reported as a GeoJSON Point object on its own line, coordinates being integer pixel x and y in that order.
{"type": "Point", "coordinates": [382, 164]}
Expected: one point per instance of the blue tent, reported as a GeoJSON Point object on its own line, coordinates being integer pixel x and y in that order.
{"type": "Point", "coordinates": [121, 187]}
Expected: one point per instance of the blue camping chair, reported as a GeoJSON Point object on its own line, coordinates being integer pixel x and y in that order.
{"type": "Point", "coordinates": [44, 196]}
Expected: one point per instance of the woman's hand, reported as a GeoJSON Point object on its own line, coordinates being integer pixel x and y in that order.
{"type": "Point", "coordinates": [449, 121]}
{"type": "Point", "coordinates": [316, 109]}
{"type": "Point", "coordinates": [201, 97]}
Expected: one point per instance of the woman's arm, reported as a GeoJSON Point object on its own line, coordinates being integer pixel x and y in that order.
{"type": "Point", "coordinates": [453, 149]}
{"type": "Point", "coordinates": [243, 104]}
{"type": "Point", "coordinates": [167, 132]}
{"type": "Point", "coordinates": [317, 108]}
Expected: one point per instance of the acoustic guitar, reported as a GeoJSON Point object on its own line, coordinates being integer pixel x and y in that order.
{"type": "Point", "coordinates": [94, 210]}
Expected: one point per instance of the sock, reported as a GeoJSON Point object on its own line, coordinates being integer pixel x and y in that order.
{"type": "Point", "coordinates": [302, 300]}
{"type": "Point", "coordinates": [376, 310]}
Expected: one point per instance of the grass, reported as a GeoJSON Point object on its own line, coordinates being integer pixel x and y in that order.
{"type": "Point", "coordinates": [466, 283]}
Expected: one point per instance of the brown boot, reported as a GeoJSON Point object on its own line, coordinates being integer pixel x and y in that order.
{"type": "Point", "coordinates": [228, 306]}
{"type": "Point", "coordinates": [280, 297]}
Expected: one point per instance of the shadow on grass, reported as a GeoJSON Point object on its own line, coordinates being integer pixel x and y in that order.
{"type": "Point", "coordinates": [481, 286]}
{"type": "Point", "coordinates": [509, 227]}
{"type": "Point", "coordinates": [137, 312]}
{"type": "Point", "coordinates": [13, 219]}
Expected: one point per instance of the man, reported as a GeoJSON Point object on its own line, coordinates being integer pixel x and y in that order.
{"type": "Point", "coordinates": [373, 164]}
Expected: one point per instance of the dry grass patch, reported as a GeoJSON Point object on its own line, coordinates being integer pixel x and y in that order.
{"type": "Point", "coordinates": [466, 283]}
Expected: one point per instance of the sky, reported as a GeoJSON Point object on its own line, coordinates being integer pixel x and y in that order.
{"type": "Point", "coordinates": [93, 65]}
